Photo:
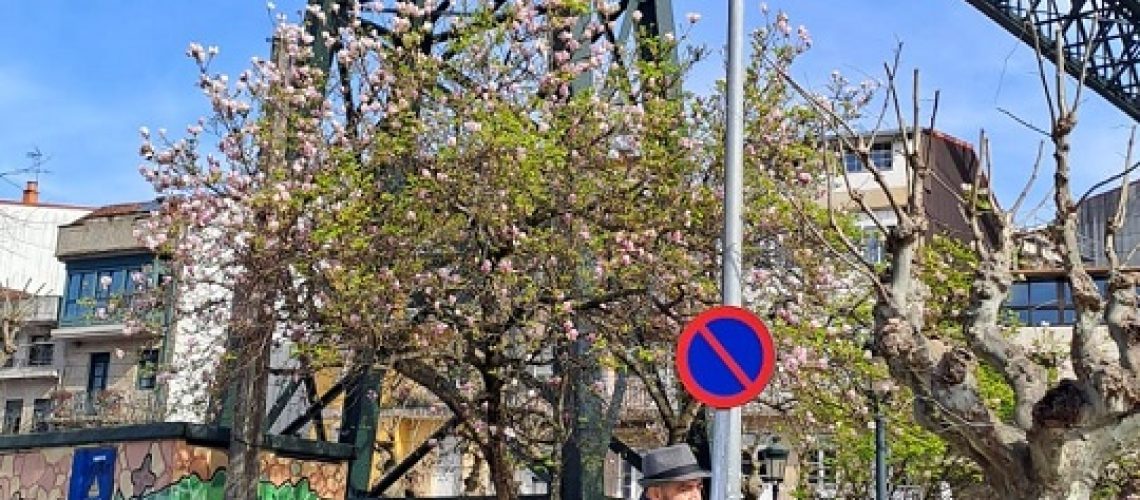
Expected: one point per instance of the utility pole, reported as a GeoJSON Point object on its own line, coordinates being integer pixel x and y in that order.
{"type": "Point", "coordinates": [727, 423]}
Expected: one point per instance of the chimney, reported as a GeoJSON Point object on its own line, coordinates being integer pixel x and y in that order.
{"type": "Point", "coordinates": [32, 193]}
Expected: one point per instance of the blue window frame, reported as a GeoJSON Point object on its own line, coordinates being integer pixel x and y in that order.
{"type": "Point", "coordinates": [99, 290]}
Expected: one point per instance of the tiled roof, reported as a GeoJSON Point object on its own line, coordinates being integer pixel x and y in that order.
{"type": "Point", "coordinates": [13, 294]}
{"type": "Point", "coordinates": [120, 209]}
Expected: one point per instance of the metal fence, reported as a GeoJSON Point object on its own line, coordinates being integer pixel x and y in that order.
{"type": "Point", "coordinates": [78, 409]}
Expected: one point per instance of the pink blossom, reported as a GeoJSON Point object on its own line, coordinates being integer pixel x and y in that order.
{"type": "Point", "coordinates": [782, 24]}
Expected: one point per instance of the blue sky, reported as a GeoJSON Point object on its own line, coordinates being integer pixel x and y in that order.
{"type": "Point", "coordinates": [77, 80]}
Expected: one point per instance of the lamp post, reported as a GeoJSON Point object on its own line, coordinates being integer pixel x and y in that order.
{"type": "Point", "coordinates": [880, 391]}
{"type": "Point", "coordinates": [775, 460]}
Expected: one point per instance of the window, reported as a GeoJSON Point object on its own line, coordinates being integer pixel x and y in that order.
{"type": "Point", "coordinates": [148, 368]}
{"type": "Point", "coordinates": [873, 247]}
{"type": "Point", "coordinates": [41, 352]}
{"type": "Point", "coordinates": [41, 410]}
{"type": "Point", "coordinates": [882, 156]}
{"type": "Point", "coordinates": [100, 290]}
{"type": "Point", "coordinates": [819, 469]}
{"type": "Point", "coordinates": [13, 410]}
{"type": "Point", "coordinates": [629, 480]}
{"type": "Point", "coordinates": [1041, 301]}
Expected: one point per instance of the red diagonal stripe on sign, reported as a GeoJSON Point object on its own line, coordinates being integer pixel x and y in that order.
{"type": "Point", "coordinates": [724, 356]}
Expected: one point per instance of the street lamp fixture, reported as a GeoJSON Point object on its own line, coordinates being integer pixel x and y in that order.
{"type": "Point", "coordinates": [775, 460]}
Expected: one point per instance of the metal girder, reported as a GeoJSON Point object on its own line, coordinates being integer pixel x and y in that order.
{"type": "Point", "coordinates": [359, 423]}
{"type": "Point", "coordinates": [1103, 32]}
{"type": "Point", "coordinates": [318, 418]}
{"type": "Point", "coordinates": [282, 402]}
{"type": "Point", "coordinates": [413, 458]}
{"type": "Point", "coordinates": [360, 413]}
{"type": "Point", "coordinates": [318, 406]}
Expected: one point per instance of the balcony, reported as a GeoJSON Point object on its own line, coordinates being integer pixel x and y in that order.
{"type": "Point", "coordinates": [102, 293]}
{"type": "Point", "coordinates": [95, 314]}
{"type": "Point", "coordinates": [36, 362]}
{"type": "Point", "coordinates": [81, 410]}
{"type": "Point", "coordinates": [43, 308]}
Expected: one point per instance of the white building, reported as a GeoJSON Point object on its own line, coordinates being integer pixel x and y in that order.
{"type": "Point", "coordinates": [28, 232]}
{"type": "Point", "coordinates": [31, 284]}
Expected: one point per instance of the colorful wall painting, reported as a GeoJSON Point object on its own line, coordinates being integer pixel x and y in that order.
{"type": "Point", "coordinates": [160, 470]}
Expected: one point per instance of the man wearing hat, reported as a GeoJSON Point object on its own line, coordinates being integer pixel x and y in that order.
{"type": "Point", "coordinates": [671, 473]}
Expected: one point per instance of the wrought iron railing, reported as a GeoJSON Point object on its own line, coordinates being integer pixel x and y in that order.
{"type": "Point", "coordinates": [77, 409]}
{"type": "Point", "coordinates": [37, 360]}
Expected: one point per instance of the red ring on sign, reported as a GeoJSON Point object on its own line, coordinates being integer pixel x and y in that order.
{"type": "Point", "coordinates": [767, 357]}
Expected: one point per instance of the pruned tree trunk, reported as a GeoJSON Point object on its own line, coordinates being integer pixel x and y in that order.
{"type": "Point", "coordinates": [1063, 432]}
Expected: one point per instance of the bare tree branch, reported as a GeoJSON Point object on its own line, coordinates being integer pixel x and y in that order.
{"type": "Point", "coordinates": [1029, 183]}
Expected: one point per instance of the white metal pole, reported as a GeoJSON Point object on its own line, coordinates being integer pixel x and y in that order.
{"type": "Point", "coordinates": [726, 423]}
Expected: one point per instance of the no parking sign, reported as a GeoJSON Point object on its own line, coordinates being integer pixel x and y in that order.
{"type": "Point", "coordinates": [725, 357]}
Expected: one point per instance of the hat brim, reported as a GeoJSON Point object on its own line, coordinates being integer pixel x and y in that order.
{"type": "Point", "coordinates": [645, 483]}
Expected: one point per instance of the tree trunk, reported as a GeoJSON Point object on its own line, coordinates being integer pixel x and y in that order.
{"type": "Point", "coordinates": [244, 472]}
{"type": "Point", "coordinates": [7, 339]}
{"type": "Point", "coordinates": [499, 462]}
{"type": "Point", "coordinates": [584, 453]}
{"type": "Point", "coordinates": [251, 331]}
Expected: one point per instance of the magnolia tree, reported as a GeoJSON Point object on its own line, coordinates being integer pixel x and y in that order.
{"type": "Point", "coordinates": [454, 214]}
{"type": "Point", "coordinates": [990, 397]}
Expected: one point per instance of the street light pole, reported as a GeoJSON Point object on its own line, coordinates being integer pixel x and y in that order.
{"type": "Point", "coordinates": [726, 423]}
{"type": "Point", "coordinates": [880, 449]}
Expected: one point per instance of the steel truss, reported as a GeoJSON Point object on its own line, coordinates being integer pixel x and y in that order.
{"type": "Point", "coordinates": [360, 386]}
{"type": "Point", "coordinates": [1101, 32]}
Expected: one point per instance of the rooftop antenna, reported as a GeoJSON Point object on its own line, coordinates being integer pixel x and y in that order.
{"type": "Point", "coordinates": [39, 159]}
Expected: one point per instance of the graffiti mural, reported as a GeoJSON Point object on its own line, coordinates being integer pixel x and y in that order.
{"type": "Point", "coordinates": [164, 469]}
{"type": "Point", "coordinates": [195, 487]}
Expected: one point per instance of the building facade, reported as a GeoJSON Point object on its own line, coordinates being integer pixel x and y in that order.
{"type": "Point", "coordinates": [1093, 215]}
{"type": "Point", "coordinates": [28, 232]}
{"type": "Point", "coordinates": [953, 165]}
{"type": "Point", "coordinates": [31, 286]}
{"type": "Point", "coordinates": [80, 365]}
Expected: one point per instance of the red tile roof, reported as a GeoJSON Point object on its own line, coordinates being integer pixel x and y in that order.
{"type": "Point", "coordinates": [13, 294]}
{"type": "Point", "coordinates": [140, 207]}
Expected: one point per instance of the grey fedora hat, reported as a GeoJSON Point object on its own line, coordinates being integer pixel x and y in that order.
{"type": "Point", "coordinates": [670, 464]}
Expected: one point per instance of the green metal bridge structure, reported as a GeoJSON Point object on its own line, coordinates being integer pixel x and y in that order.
{"type": "Point", "coordinates": [357, 390]}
